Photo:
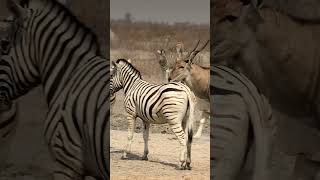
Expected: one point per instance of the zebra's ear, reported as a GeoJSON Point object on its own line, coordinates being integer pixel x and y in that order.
{"type": "Point", "coordinates": [129, 60]}
{"type": "Point", "coordinates": [16, 9]}
{"type": "Point", "coordinates": [113, 68]}
{"type": "Point", "coordinates": [113, 64]}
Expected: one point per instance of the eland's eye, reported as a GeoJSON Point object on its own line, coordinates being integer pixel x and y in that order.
{"type": "Point", "coordinates": [231, 18]}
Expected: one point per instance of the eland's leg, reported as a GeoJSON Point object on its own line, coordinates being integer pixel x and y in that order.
{"type": "Point", "coordinates": [131, 125]}
{"type": "Point", "coordinates": [200, 128]}
{"type": "Point", "coordinates": [145, 139]}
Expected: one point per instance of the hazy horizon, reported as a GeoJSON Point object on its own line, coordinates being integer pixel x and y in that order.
{"type": "Point", "coordinates": [166, 11]}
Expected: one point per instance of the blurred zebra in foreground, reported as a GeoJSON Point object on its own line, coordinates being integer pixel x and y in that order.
{"type": "Point", "coordinates": [237, 108]}
{"type": "Point", "coordinates": [50, 47]}
{"type": "Point", "coordinates": [184, 70]}
{"type": "Point", "coordinates": [8, 111]}
{"type": "Point", "coordinates": [171, 103]}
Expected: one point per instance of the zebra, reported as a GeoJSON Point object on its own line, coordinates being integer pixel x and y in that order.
{"type": "Point", "coordinates": [8, 113]}
{"type": "Point", "coordinates": [163, 62]}
{"type": "Point", "coordinates": [171, 103]}
{"type": "Point", "coordinates": [237, 105]}
{"type": "Point", "coordinates": [51, 47]}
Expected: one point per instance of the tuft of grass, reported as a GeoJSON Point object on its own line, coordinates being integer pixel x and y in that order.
{"type": "Point", "coordinates": [150, 36]}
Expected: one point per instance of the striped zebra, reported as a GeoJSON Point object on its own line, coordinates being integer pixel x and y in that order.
{"type": "Point", "coordinates": [171, 103]}
{"type": "Point", "coordinates": [8, 113]}
{"type": "Point", "coordinates": [164, 64]}
{"type": "Point", "coordinates": [237, 107]}
{"type": "Point", "coordinates": [8, 125]}
{"type": "Point", "coordinates": [50, 47]}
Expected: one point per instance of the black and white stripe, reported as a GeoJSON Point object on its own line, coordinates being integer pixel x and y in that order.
{"type": "Point", "coordinates": [50, 47]}
{"type": "Point", "coordinates": [236, 108]}
{"type": "Point", "coordinates": [8, 112]}
{"type": "Point", "coordinates": [171, 103]}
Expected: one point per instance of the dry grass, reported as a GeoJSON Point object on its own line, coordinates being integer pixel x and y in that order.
{"type": "Point", "coordinates": [149, 36]}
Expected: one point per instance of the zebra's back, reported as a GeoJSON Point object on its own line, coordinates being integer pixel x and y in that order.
{"type": "Point", "coordinates": [155, 103]}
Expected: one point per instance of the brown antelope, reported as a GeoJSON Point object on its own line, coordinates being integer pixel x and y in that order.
{"type": "Point", "coordinates": [194, 76]}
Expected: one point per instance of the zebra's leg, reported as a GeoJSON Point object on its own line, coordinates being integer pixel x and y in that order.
{"type": "Point", "coordinates": [131, 125]}
{"type": "Point", "coordinates": [146, 139]}
{"type": "Point", "coordinates": [180, 134]}
{"type": "Point", "coordinates": [8, 125]}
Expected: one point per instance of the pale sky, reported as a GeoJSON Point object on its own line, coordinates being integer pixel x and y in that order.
{"type": "Point", "coordinates": [171, 11]}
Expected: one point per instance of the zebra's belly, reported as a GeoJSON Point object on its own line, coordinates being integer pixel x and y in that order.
{"type": "Point", "coordinates": [156, 118]}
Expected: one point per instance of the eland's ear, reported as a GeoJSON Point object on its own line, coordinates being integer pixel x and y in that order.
{"type": "Point", "coordinates": [16, 9]}
{"type": "Point", "coordinates": [257, 3]}
{"type": "Point", "coordinates": [188, 64]}
{"type": "Point", "coordinates": [251, 17]}
{"type": "Point", "coordinates": [245, 2]}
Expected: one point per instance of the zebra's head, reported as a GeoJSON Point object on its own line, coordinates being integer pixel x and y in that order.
{"type": "Point", "coordinates": [122, 72]}
{"type": "Point", "coordinates": [162, 58]}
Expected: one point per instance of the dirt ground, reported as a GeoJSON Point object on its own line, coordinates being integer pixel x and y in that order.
{"type": "Point", "coordinates": [163, 156]}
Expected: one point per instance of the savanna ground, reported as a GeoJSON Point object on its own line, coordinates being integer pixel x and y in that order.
{"type": "Point", "coordinates": [139, 41]}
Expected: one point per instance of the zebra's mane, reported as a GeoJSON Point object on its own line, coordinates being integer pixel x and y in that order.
{"type": "Point", "coordinates": [73, 18]}
{"type": "Point", "coordinates": [136, 71]}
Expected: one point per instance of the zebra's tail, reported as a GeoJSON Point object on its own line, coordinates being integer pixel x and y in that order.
{"type": "Point", "coordinates": [189, 125]}
{"type": "Point", "coordinates": [258, 110]}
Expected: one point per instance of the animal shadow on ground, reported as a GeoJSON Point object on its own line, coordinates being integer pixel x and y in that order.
{"type": "Point", "coordinates": [135, 157]}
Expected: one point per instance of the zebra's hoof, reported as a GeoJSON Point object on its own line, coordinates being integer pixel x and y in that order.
{"type": "Point", "coordinates": [124, 157]}
{"type": "Point", "coordinates": [185, 166]}
{"type": "Point", "coordinates": [144, 158]}
{"type": "Point", "coordinates": [188, 167]}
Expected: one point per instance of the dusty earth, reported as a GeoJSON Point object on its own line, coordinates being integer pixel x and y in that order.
{"type": "Point", "coordinates": [163, 158]}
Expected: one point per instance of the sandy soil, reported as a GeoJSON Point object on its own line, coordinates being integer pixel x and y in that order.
{"type": "Point", "coordinates": [163, 161]}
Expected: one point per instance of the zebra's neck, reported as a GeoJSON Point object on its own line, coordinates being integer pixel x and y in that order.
{"type": "Point", "coordinates": [128, 83]}
{"type": "Point", "coordinates": [58, 45]}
